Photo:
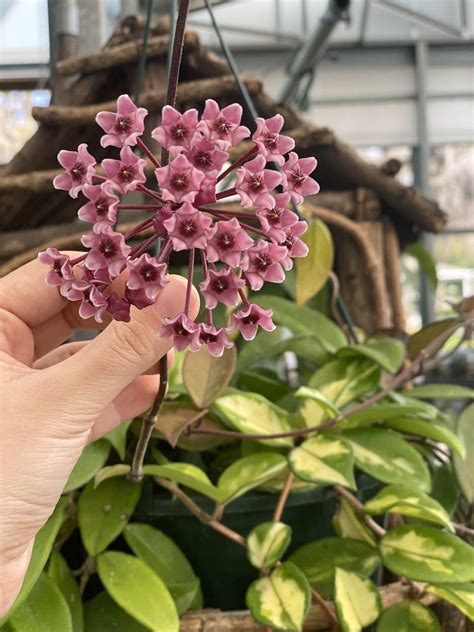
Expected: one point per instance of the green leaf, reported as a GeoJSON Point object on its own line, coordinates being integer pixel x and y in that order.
{"type": "Point", "coordinates": [267, 543]}
{"type": "Point", "coordinates": [162, 555]}
{"type": "Point", "coordinates": [318, 561]}
{"type": "Point", "coordinates": [103, 512]}
{"type": "Point", "coordinates": [430, 429]}
{"type": "Point", "coordinates": [91, 460]}
{"type": "Point", "coordinates": [342, 380]}
{"type": "Point", "coordinates": [324, 459]}
{"type": "Point", "coordinates": [247, 473]}
{"type": "Point", "coordinates": [313, 407]}
{"type": "Point", "coordinates": [303, 320]}
{"type": "Point", "coordinates": [253, 414]}
{"type": "Point", "coordinates": [357, 600]}
{"type": "Point", "coordinates": [460, 595]}
{"type": "Point", "coordinates": [118, 438]}
{"type": "Point", "coordinates": [138, 590]}
{"type": "Point", "coordinates": [185, 474]}
{"type": "Point", "coordinates": [313, 271]}
{"type": "Point", "coordinates": [173, 419]}
{"type": "Point", "coordinates": [272, 343]}
{"type": "Point", "coordinates": [41, 549]}
{"type": "Point", "coordinates": [347, 524]}
{"type": "Point", "coordinates": [60, 572]}
{"type": "Point", "coordinates": [408, 616]}
{"type": "Point", "coordinates": [427, 554]}
{"type": "Point", "coordinates": [281, 599]}
{"type": "Point", "coordinates": [382, 412]}
{"type": "Point", "coordinates": [45, 608]}
{"type": "Point", "coordinates": [464, 467]}
{"type": "Point", "coordinates": [386, 456]}
{"type": "Point", "coordinates": [102, 614]}
{"type": "Point", "coordinates": [422, 338]}
{"type": "Point", "coordinates": [206, 376]}
{"type": "Point", "coordinates": [403, 500]}
{"type": "Point", "coordinates": [269, 387]}
{"type": "Point", "coordinates": [119, 469]}
{"type": "Point", "coordinates": [445, 488]}
{"type": "Point", "coordinates": [441, 391]}
{"type": "Point", "coordinates": [420, 252]}
{"type": "Point", "coordinates": [386, 352]}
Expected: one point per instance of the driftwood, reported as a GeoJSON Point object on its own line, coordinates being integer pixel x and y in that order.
{"type": "Point", "coordinates": [191, 91]}
{"type": "Point", "coordinates": [316, 620]}
{"type": "Point", "coordinates": [391, 250]}
{"type": "Point", "coordinates": [120, 55]}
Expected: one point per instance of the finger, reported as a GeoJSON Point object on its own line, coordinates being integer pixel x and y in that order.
{"type": "Point", "coordinates": [59, 354]}
{"type": "Point", "coordinates": [123, 351]}
{"type": "Point", "coordinates": [132, 401]}
{"type": "Point", "coordinates": [55, 330]}
{"type": "Point", "coordinates": [67, 350]}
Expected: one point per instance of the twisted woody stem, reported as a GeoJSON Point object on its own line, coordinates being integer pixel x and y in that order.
{"type": "Point", "coordinates": [136, 472]}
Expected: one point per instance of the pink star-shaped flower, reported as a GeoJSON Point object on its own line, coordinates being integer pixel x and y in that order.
{"type": "Point", "coordinates": [214, 338]}
{"type": "Point", "coordinates": [262, 263]}
{"type": "Point", "coordinates": [102, 205]}
{"type": "Point", "coordinates": [176, 129]}
{"type": "Point", "coordinates": [118, 307]}
{"type": "Point", "coordinates": [249, 319]}
{"type": "Point", "coordinates": [188, 228]}
{"type": "Point", "coordinates": [223, 126]}
{"type": "Point", "coordinates": [125, 174]}
{"type": "Point", "coordinates": [179, 181]}
{"type": "Point", "coordinates": [275, 220]}
{"type": "Point", "coordinates": [184, 331]}
{"type": "Point", "coordinates": [124, 126]}
{"type": "Point", "coordinates": [79, 169]}
{"type": "Point", "coordinates": [227, 241]}
{"type": "Point", "coordinates": [93, 302]}
{"type": "Point", "coordinates": [147, 275]}
{"type": "Point", "coordinates": [107, 249]}
{"type": "Point", "coordinates": [205, 157]}
{"type": "Point", "coordinates": [270, 142]}
{"type": "Point", "coordinates": [295, 247]}
{"type": "Point", "coordinates": [254, 183]}
{"type": "Point", "coordinates": [61, 270]}
{"type": "Point", "coordinates": [221, 286]}
{"type": "Point", "coordinates": [296, 178]}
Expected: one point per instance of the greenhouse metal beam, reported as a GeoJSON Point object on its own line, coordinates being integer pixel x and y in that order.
{"type": "Point", "coordinates": [419, 18]}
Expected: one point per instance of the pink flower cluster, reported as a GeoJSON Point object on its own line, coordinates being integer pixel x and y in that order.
{"type": "Point", "coordinates": [239, 250]}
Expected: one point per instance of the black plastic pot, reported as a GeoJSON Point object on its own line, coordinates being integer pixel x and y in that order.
{"type": "Point", "coordinates": [222, 565]}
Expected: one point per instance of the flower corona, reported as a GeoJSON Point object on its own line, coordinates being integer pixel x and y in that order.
{"type": "Point", "coordinates": [239, 249]}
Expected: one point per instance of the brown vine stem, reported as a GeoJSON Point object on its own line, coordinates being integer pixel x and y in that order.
{"type": "Point", "coordinates": [326, 608]}
{"type": "Point", "coordinates": [408, 373]}
{"type": "Point", "coordinates": [359, 507]}
{"type": "Point", "coordinates": [136, 472]}
{"type": "Point", "coordinates": [285, 492]}
{"type": "Point", "coordinates": [200, 514]}
{"type": "Point", "coordinates": [175, 65]}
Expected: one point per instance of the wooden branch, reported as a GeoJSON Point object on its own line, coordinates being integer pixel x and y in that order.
{"type": "Point", "coordinates": [372, 264]}
{"type": "Point", "coordinates": [34, 182]}
{"type": "Point", "coordinates": [190, 91]}
{"type": "Point", "coordinates": [393, 275]}
{"type": "Point", "coordinates": [242, 621]}
{"type": "Point", "coordinates": [120, 55]}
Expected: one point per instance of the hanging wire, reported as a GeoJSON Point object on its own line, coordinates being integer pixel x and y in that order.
{"type": "Point", "coordinates": [341, 304]}
{"type": "Point", "coordinates": [232, 64]}
{"type": "Point", "coordinates": [143, 53]}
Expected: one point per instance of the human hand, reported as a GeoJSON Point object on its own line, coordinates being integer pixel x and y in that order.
{"type": "Point", "coordinates": [56, 398]}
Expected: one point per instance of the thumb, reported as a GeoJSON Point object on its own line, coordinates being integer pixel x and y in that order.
{"type": "Point", "coordinates": [123, 351]}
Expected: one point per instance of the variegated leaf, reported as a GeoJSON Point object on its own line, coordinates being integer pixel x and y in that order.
{"type": "Point", "coordinates": [460, 595]}
{"type": "Point", "coordinates": [427, 554]}
{"type": "Point", "coordinates": [324, 459]}
{"type": "Point", "coordinates": [408, 616]}
{"type": "Point", "coordinates": [248, 473]}
{"type": "Point", "coordinates": [267, 543]}
{"type": "Point", "coordinates": [281, 599]}
{"type": "Point", "coordinates": [357, 601]}
{"type": "Point", "coordinates": [347, 524]}
{"type": "Point", "coordinates": [406, 501]}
